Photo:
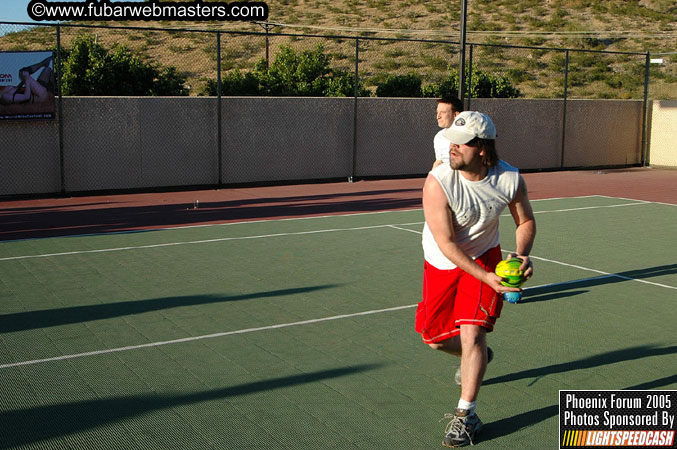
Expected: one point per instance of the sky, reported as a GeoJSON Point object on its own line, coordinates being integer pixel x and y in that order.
{"type": "Point", "coordinates": [14, 11]}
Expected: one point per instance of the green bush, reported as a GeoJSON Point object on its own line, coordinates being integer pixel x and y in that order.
{"type": "Point", "coordinates": [400, 86]}
{"type": "Point", "coordinates": [233, 84]}
{"type": "Point", "coordinates": [448, 87]}
{"type": "Point", "coordinates": [489, 85]}
{"type": "Point", "coordinates": [90, 69]}
{"type": "Point", "coordinates": [482, 85]}
{"type": "Point", "coordinates": [305, 74]}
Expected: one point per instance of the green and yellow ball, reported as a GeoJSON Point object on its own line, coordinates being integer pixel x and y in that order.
{"type": "Point", "coordinates": [509, 270]}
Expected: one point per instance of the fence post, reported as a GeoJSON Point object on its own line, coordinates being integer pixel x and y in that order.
{"type": "Point", "coordinates": [59, 75]}
{"type": "Point", "coordinates": [564, 108]}
{"type": "Point", "coordinates": [469, 90]}
{"type": "Point", "coordinates": [356, 92]}
{"type": "Point", "coordinates": [461, 72]}
{"type": "Point", "coordinates": [645, 107]}
{"type": "Point", "coordinates": [218, 107]}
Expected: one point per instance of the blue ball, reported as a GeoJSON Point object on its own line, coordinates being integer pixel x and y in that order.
{"type": "Point", "coordinates": [512, 297]}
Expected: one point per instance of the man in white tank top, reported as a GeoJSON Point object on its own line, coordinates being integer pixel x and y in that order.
{"type": "Point", "coordinates": [462, 296]}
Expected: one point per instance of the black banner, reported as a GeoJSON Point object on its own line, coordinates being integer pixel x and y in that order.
{"type": "Point", "coordinates": [617, 419]}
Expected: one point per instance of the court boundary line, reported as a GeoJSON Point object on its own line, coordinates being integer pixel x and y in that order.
{"type": "Point", "coordinates": [206, 225]}
{"type": "Point", "coordinates": [276, 326]}
{"type": "Point", "coordinates": [205, 241]}
{"type": "Point", "coordinates": [602, 273]}
{"type": "Point", "coordinates": [202, 337]}
{"type": "Point", "coordinates": [318, 320]}
{"type": "Point", "coordinates": [637, 200]}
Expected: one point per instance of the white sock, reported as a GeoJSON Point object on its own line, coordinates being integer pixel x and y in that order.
{"type": "Point", "coordinates": [470, 406]}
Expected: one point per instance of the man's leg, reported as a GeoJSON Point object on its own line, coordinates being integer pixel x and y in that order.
{"type": "Point", "coordinates": [46, 79]}
{"type": "Point", "coordinates": [20, 97]}
{"type": "Point", "coordinates": [35, 67]}
{"type": "Point", "coordinates": [465, 424]}
{"type": "Point", "coordinates": [473, 360]}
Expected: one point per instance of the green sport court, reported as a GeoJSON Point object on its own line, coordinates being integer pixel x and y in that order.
{"type": "Point", "coordinates": [298, 334]}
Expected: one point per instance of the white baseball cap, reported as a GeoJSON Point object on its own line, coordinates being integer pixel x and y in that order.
{"type": "Point", "coordinates": [468, 125]}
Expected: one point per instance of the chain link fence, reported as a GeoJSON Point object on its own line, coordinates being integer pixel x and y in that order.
{"type": "Point", "coordinates": [200, 58]}
{"type": "Point", "coordinates": [537, 72]}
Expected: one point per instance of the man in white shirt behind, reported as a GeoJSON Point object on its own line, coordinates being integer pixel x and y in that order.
{"type": "Point", "coordinates": [447, 110]}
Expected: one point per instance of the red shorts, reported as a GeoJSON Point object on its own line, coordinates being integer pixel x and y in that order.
{"type": "Point", "coordinates": [452, 298]}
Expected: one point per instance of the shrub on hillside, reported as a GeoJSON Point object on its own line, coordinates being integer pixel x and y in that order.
{"type": "Point", "coordinates": [305, 74]}
{"type": "Point", "coordinates": [482, 85]}
{"type": "Point", "coordinates": [90, 69]}
{"type": "Point", "coordinates": [399, 86]}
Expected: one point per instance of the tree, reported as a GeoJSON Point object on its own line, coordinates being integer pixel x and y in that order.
{"type": "Point", "coordinates": [90, 69]}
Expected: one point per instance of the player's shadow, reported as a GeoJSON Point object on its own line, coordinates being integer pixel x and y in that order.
{"type": "Point", "coordinates": [30, 320]}
{"type": "Point", "coordinates": [665, 381]}
{"type": "Point", "coordinates": [576, 287]}
{"type": "Point", "coordinates": [517, 422]}
{"type": "Point", "coordinates": [41, 423]}
{"type": "Point", "coordinates": [627, 354]}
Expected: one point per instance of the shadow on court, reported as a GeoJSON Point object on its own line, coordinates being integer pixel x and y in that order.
{"type": "Point", "coordinates": [661, 382]}
{"type": "Point", "coordinates": [628, 354]}
{"type": "Point", "coordinates": [563, 290]}
{"type": "Point", "coordinates": [38, 222]}
{"type": "Point", "coordinates": [517, 422]}
{"type": "Point", "coordinates": [77, 314]}
{"type": "Point", "coordinates": [32, 425]}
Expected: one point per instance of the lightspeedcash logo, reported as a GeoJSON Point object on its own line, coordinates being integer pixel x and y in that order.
{"type": "Point", "coordinates": [153, 10]}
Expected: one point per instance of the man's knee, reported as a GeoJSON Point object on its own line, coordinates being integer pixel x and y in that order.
{"type": "Point", "coordinates": [472, 335]}
{"type": "Point", "coordinates": [436, 346]}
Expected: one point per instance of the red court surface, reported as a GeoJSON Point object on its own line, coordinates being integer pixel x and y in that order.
{"type": "Point", "coordinates": [49, 217]}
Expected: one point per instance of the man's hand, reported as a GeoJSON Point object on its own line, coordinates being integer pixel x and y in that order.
{"type": "Point", "coordinates": [494, 281]}
{"type": "Point", "coordinates": [527, 266]}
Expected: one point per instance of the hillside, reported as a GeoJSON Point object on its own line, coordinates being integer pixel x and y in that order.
{"type": "Point", "coordinates": [609, 25]}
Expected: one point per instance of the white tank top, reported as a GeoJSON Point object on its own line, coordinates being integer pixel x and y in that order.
{"type": "Point", "coordinates": [476, 207]}
{"type": "Point", "coordinates": [441, 145]}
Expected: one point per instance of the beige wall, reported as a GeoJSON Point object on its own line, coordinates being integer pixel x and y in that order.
{"type": "Point", "coordinates": [663, 137]}
{"type": "Point", "coordinates": [114, 143]}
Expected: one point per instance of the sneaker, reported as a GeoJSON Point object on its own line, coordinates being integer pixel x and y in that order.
{"type": "Point", "coordinates": [462, 428]}
{"type": "Point", "coordinates": [457, 376]}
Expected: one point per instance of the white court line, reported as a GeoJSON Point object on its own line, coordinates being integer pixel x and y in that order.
{"type": "Point", "coordinates": [197, 338]}
{"type": "Point", "coordinates": [252, 330]}
{"type": "Point", "coordinates": [407, 229]}
{"type": "Point", "coordinates": [604, 273]}
{"type": "Point", "coordinates": [247, 222]}
{"type": "Point", "coordinates": [592, 207]}
{"type": "Point", "coordinates": [306, 322]}
{"type": "Point", "coordinates": [214, 335]}
{"type": "Point", "coordinates": [204, 241]}
{"type": "Point", "coordinates": [637, 200]}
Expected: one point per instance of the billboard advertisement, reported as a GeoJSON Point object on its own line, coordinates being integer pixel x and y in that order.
{"type": "Point", "coordinates": [27, 85]}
